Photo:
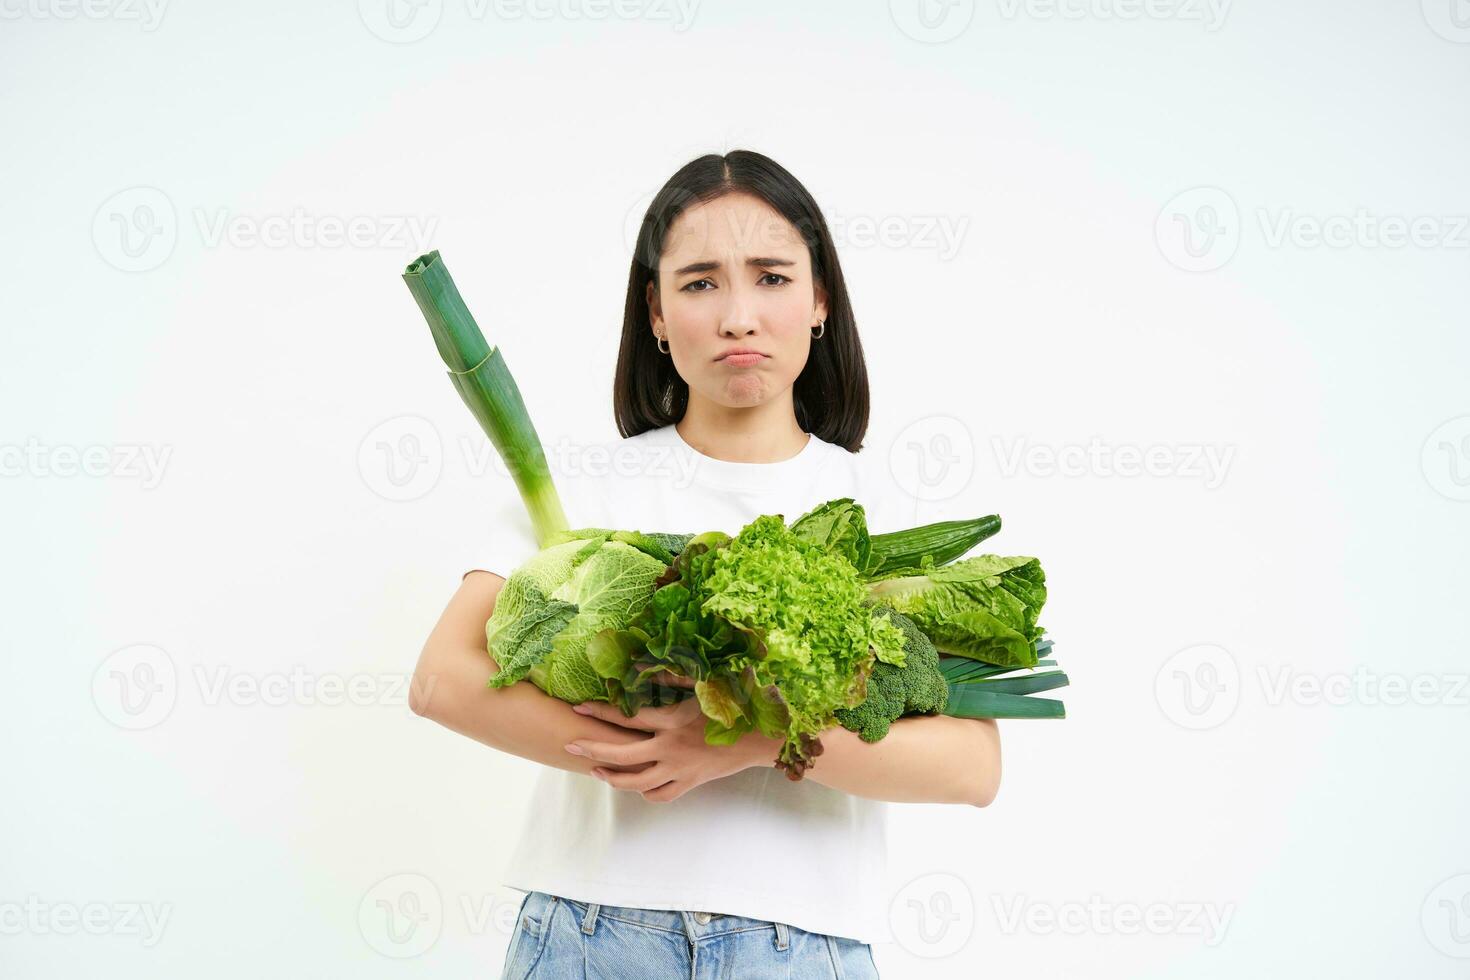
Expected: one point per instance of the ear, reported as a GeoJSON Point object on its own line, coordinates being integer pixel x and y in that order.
{"type": "Point", "coordinates": [655, 311]}
{"type": "Point", "coordinates": [820, 311]}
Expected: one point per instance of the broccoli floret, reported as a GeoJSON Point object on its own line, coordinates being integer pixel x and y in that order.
{"type": "Point", "coordinates": [916, 688]}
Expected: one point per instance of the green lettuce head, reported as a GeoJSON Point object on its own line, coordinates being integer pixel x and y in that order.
{"type": "Point", "coordinates": [984, 608]}
{"type": "Point", "coordinates": [777, 632]}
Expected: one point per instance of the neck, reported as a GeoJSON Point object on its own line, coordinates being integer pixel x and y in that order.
{"type": "Point", "coordinates": [765, 433]}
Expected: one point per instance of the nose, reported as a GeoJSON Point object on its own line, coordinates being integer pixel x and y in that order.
{"type": "Point", "coordinates": [740, 318]}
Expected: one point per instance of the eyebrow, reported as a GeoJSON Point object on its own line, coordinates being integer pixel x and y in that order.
{"type": "Point", "coordinates": [711, 266]}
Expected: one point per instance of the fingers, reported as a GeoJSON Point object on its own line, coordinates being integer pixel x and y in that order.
{"type": "Point", "coordinates": [603, 711]}
{"type": "Point", "coordinates": [646, 719]}
{"type": "Point", "coordinates": [626, 754]}
{"type": "Point", "coordinates": [686, 712]}
{"type": "Point", "coordinates": [652, 778]}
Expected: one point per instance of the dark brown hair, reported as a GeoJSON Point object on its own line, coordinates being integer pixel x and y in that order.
{"type": "Point", "coordinates": [830, 394]}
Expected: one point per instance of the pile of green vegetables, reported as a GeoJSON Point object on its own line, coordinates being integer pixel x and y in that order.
{"type": "Point", "coordinates": [783, 629]}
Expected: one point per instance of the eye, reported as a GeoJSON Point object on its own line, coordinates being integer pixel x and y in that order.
{"type": "Point", "coordinates": [689, 288]}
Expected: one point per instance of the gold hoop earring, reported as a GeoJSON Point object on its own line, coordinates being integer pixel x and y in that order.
{"type": "Point", "coordinates": [821, 328]}
{"type": "Point", "coordinates": [663, 346]}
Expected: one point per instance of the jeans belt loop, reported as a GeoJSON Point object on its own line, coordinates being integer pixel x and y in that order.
{"type": "Point", "coordinates": [783, 938]}
{"type": "Point", "coordinates": [589, 921]}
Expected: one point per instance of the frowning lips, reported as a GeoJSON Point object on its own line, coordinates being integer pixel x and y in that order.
{"type": "Point", "coordinates": [738, 351]}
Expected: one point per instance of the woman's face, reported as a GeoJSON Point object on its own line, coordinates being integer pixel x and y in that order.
{"type": "Point", "coordinates": [736, 275]}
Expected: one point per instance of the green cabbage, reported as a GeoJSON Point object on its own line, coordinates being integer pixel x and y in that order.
{"type": "Point", "coordinates": [554, 603]}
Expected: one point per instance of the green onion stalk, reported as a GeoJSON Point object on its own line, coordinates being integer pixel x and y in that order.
{"type": "Point", "coordinates": [485, 384]}
{"type": "Point", "coordinates": [981, 690]}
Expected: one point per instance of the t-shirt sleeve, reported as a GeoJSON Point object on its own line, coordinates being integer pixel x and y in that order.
{"type": "Point", "coordinates": [505, 539]}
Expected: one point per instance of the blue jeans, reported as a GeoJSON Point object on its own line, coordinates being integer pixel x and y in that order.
{"type": "Point", "coordinates": [557, 939]}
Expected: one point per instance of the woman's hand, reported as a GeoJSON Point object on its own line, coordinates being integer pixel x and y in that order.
{"type": "Point", "coordinates": [675, 756]}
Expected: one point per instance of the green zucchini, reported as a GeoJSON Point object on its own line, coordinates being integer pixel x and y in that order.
{"type": "Point", "coordinates": [904, 551]}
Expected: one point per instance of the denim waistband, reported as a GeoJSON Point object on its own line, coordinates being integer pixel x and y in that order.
{"type": "Point", "coordinates": [693, 925]}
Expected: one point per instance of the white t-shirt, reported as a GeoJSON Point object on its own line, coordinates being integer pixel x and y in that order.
{"type": "Point", "coordinates": [754, 843]}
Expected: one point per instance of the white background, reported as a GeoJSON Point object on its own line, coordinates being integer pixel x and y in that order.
{"type": "Point", "coordinates": [1132, 193]}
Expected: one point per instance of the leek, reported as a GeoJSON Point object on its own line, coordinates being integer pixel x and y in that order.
{"type": "Point", "coordinates": [485, 384]}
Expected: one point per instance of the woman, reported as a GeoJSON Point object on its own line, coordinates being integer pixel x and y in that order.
{"type": "Point", "coordinates": [740, 390]}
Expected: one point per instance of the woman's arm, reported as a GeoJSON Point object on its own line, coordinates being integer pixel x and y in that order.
{"type": "Point", "coordinates": [449, 687]}
{"type": "Point", "coordinates": [922, 759]}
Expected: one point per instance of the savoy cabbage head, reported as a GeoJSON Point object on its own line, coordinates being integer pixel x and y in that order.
{"type": "Point", "coordinates": [553, 604]}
